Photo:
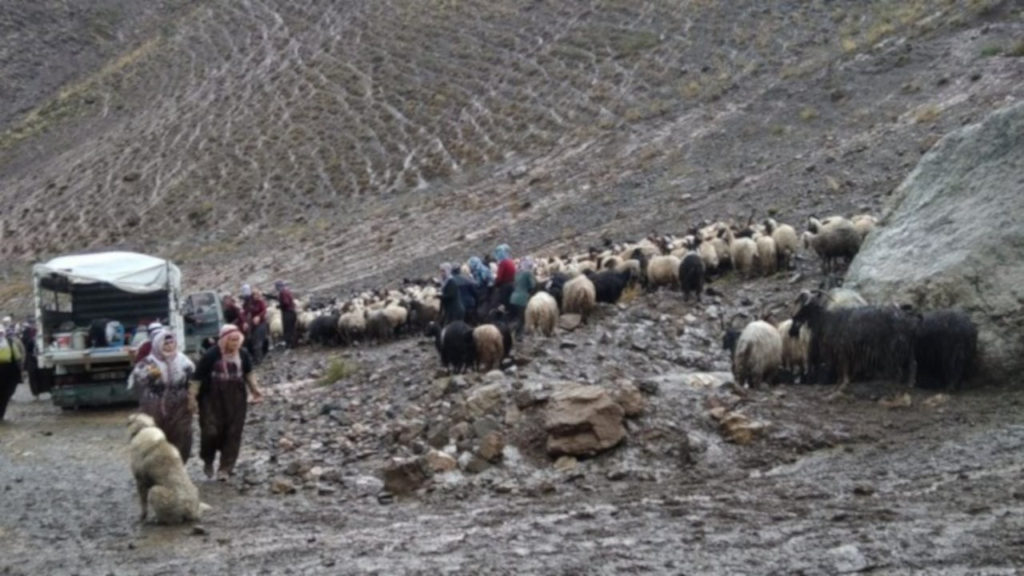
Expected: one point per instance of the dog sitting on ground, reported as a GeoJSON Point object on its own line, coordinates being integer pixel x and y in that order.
{"type": "Point", "coordinates": [160, 476]}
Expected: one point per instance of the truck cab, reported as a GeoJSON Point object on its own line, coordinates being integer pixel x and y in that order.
{"type": "Point", "coordinates": [204, 315]}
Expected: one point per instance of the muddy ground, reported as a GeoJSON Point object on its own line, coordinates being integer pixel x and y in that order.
{"type": "Point", "coordinates": [884, 480]}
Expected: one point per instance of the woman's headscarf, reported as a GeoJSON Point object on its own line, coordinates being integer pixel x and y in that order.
{"type": "Point", "coordinates": [174, 368]}
{"type": "Point", "coordinates": [227, 331]}
{"type": "Point", "coordinates": [446, 271]}
{"type": "Point", "coordinates": [501, 252]}
{"type": "Point", "coordinates": [526, 264]}
{"type": "Point", "coordinates": [481, 273]}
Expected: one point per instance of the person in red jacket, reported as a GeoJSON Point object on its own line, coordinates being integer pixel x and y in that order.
{"type": "Point", "coordinates": [286, 300]}
{"type": "Point", "coordinates": [506, 267]}
{"type": "Point", "coordinates": [255, 308]}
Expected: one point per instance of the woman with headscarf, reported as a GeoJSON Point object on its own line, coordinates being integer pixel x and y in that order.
{"type": "Point", "coordinates": [525, 284]}
{"type": "Point", "coordinates": [506, 267]}
{"type": "Point", "coordinates": [225, 382]}
{"type": "Point", "coordinates": [163, 379]}
{"type": "Point", "coordinates": [481, 272]}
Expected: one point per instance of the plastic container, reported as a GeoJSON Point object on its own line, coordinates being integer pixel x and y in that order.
{"type": "Point", "coordinates": [79, 338]}
{"type": "Point", "coordinates": [62, 340]}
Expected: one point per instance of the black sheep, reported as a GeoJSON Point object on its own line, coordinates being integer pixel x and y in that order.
{"type": "Point", "coordinates": [324, 329]}
{"type": "Point", "coordinates": [691, 275]}
{"type": "Point", "coordinates": [609, 285]}
{"type": "Point", "coordinates": [455, 344]}
{"type": "Point", "coordinates": [945, 348]}
{"type": "Point", "coordinates": [554, 286]}
{"type": "Point", "coordinates": [864, 342]}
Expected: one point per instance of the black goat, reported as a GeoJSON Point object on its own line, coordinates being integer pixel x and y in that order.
{"type": "Point", "coordinates": [945, 348]}
{"type": "Point", "coordinates": [554, 286]}
{"type": "Point", "coordinates": [869, 341]}
{"type": "Point", "coordinates": [455, 344]}
{"type": "Point", "coordinates": [691, 275]}
{"type": "Point", "coordinates": [609, 284]}
{"type": "Point", "coordinates": [324, 330]}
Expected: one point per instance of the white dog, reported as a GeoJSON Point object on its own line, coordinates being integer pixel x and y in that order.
{"type": "Point", "coordinates": [160, 476]}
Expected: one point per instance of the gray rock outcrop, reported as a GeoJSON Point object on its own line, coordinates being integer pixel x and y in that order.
{"type": "Point", "coordinates": [953, 236]}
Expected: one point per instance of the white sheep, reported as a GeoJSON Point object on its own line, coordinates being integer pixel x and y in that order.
{"type": "Point", "coordinates": [663, 271]}
{"type": "Point", "coordinates": [743, 252]}
{"type": "Point", "coordinates": [786, 241]}
{"type": "Point", "coordinates": [758, 354]}
{"type": "Point", "coordinates": [767, 260]}
{"type": "Point", "coordinates": [832, 238]}
{"type": "Point", "coordinates": [795, 349]}
{"type": "Point", "coordinates": [579, 296]}
{"type": "Point", "coordinates": [864, 224]}
{"type": "Point", "coordinates": [490, 348]}
{"type": "Point", "coordinates": [541, 314]}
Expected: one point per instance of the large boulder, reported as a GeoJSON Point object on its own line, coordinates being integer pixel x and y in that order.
{"type": "Point", "coordinates": [582, 420]}
{"type": "Point", "coordinates": [953, 236]}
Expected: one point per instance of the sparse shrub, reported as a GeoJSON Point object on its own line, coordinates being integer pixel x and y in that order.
{"type": "Point", "coordinates": [990, 51]}
{"type": "Point", "coordinates": [808, 114]}
{"type": "Point", "coordinates": [337, 370]}
{"type": "Point", "coordinates": [1017, 50]}
{"type": "Point", "coordinates": [927, 115]}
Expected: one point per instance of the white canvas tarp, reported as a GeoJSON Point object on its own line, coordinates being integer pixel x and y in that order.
{"type": "Point", "coordinates": [128, 271]}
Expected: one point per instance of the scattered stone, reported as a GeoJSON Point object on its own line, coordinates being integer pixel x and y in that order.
{"type": "Point", "coordinates": [440, 462]}
{"type": "Point", "coordinates": [936, 401]}
{"type": "Point", "coordinates": [471, 463]}
{"type": "Point", "coordinates": [282, 485]}
{"type": "Point", "coordinates": [403, 476]}
{"type": "Point", "coordinates": [569, 322]}
{"type": "Point", "coordinates": [901, 401]}
{"type": "Point", "coordinates": [582, 420]}
{"type": "Point", "coordinates": [485, 399]}
{"type": "Point", "coordinates": [738, 428]}
{"type": "Point", "coordinates": [198, 530]}
{"type": "Point", "coordinates": [616, 475]}
{"type": "Point", "coordinates": [649, 387]}
{"type": "Point", "coordinates": [484, 426]}
{"type": "Point", "coordinates": [325, 490]}
{"type": "Point", "coordinates": [491, 446]}
{"type": "Point", "coordinates": [863, 490]}
{"type": "Point", "coordinates": [566, 463]}
{"type": "Point", "coordinates": [848, 559]}
{"type": "Point", "coordinates": [627, 395]}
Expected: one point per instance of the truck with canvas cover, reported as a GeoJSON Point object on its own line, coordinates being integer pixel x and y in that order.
{"type": "Point", "coordinates": [89, 309]}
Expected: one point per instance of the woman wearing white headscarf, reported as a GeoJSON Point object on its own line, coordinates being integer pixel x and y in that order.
{"type": "Point", "coordinates": [162, 378]}
{"type": "Point", "coordinates": [525, 284]}
{"type": "Point", "coordinates": [226, 382]}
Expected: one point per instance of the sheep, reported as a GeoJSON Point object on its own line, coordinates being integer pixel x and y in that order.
{"type": "Point", "coordinates": [489, 346]}
{"type": "Point", "coordinates": [378, 326]}
{"type": "Point", "coordinates": [795, 348]}
{"type": "Point", "coordinates": [455, 345]}
{"type": "Point", "coordinates": [579, 296]}
{"type": "Point", "coordinates": [397, 315]}
{"type": "Point", "coordinates": [541, 314]}
{"type": "Point", "coordinates": [609, 285]}
{"type": "Point", "coordinates": [352, 325]}
{"type": "Point", "coordinates": [864, 224]}
{"type": "Point", "coordinates": [945, 348]}
{"type": "Point", "coordinates": [834, 239]}
{"type": "Point", "coordinates": [556, 286]}
{"type": "Point", "coordinates": [767, 260]}
{"type": "Point", "coordinates": [856, 342]}
{"type": "Point", "coordinates": [275, 322]}
{"type": "Point", "coordinates": [786, 242]}
{"type": "Point", "coordinates": [423, 312]}
{"type": "Point", "coordinates": [756, 353]}
{"type": "Point", "coordinates": [324, 329]}
{"type": "Point", "coordinates": [743, 252]}
{"type": "Point", "coordinates": [708, 254]}
{"type": "Point", "coordinates": [663, 271]}
{"type": "Point", "coordinates": [691, 275]}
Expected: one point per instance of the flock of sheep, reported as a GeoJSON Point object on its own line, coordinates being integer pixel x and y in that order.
{"type": "Point", "coordinates": [833, 336]}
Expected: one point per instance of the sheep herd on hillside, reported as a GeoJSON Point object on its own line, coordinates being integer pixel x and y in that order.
{"type": "Point", "coordinates": [832, 336]}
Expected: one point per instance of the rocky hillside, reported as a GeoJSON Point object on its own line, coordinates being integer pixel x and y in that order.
{"type": "Point", "coordinates": [343, 144]}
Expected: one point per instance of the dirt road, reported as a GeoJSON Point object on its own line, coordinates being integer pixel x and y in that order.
{"type": "Point", "coordinates": [922, 490]}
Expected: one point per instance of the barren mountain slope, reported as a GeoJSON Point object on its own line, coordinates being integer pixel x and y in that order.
{"type": "Point", "coordinates": [349, 143]}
